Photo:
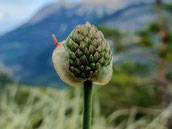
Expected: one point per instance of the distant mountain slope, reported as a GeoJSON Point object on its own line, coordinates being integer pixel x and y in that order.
{"type": "Point", "coordinates": [131, 18]}
{"type": "Point", "coordinates": [27, 50]}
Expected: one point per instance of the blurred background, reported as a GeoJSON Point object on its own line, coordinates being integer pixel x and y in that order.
{"type": "Point", "coordinates": [32, 96]}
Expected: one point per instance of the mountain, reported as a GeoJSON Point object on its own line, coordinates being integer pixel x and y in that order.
{"type": "Point", "coordinates": [27, 50]}
{"type": "Point", "coordinates": [131, 18]}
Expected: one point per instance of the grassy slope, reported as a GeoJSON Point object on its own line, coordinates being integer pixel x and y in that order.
{"type": "Point", "coordinates": [23, 107]}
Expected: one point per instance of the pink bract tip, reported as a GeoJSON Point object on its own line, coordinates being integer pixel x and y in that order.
{"type": "Point", "coordinates": [55, 41]}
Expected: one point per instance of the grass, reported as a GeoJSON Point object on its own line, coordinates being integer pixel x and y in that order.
{"type": "Point", "coordinates": [23, 107]}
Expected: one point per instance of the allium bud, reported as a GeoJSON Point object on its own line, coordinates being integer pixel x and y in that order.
{"type": "Point", "coordinates": [84, 55]}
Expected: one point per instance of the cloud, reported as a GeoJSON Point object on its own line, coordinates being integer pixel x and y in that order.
{"type": "Point", "coordinates": [27, 2]}
{"type": "Point", "coordinates": [16, 12]}
{"type": "Point", "coordinates": [1, 16]}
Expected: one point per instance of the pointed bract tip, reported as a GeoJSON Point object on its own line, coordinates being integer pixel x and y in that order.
{"type": "Point", "coordinates": [88, 25]}
{"type": "Point", "coordinates": [55, 41]}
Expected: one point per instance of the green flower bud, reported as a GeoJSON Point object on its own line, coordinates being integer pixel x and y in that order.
{"type": "Point", "coordinates": [84, 55]}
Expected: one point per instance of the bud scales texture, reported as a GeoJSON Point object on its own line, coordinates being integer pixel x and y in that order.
{"type": "Point", "coordinates": [88, 51]}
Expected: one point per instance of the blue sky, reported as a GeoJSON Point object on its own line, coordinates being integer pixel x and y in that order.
{"type": "Point", "coordinates": [15, 12]}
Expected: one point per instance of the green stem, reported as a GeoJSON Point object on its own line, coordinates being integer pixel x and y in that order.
{"type": "Point", "coordinates": [87, 105]}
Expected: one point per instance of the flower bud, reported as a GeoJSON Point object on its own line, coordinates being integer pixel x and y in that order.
{"type": "Point", "coordinates": [84, 55]}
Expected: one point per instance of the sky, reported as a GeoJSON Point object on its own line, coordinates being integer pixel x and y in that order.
{"type": "Point", "coordinates": [13, 13]}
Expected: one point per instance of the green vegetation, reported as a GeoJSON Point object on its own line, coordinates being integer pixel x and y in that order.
{"type": "Point", "coordinates": [4, 79]}
{"type": "Point", "coordinates": [31, 108]}
{"type": "Point", "coordinates": [25, 107]}
{"type": "Point", "coordinates": [142, 70]}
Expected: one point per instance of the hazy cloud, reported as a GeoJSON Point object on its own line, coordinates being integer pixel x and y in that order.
{"type": "Point", "coordinates": [15, 12]}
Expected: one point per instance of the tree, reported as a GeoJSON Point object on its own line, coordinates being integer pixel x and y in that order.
{"type": "Point", "coordinates": [165, 41]}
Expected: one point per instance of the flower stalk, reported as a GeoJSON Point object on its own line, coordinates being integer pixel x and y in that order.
{"type": "Point", "coordinates": [87, 116]}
